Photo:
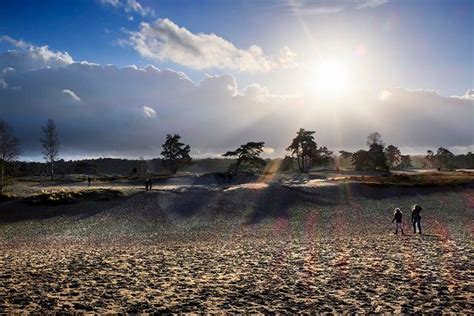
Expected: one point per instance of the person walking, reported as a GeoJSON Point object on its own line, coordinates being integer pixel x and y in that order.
{"type": "Point", "coordinates": [397, 218]}
{"type": "Point", "coordinates": [89, 180]}
{"type": "Point", "coordinates": [146, 184]}
{"type": "Point", "coordinates": [416, 217]}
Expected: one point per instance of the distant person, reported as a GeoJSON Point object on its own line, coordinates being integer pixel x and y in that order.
{"type": "Point", "coordinates": [146, 184]}
{"type": "Point", "coordinates": [89, 180]}
{"type": "Point", "coordinates": [397, 218]}
{"type": "Point", "coordinates": [150, 185]}
{"type": "Point", "coordinates": [416, 217]}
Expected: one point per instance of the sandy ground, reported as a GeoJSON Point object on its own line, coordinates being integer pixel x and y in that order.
{"type": "Point", "coordinates": [247, 248]}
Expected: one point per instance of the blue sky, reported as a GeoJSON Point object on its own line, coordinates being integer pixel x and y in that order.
{"type": "Point", "coordinates": [428, 44]}
{"type": "Point", "coordinates": [343, 68]}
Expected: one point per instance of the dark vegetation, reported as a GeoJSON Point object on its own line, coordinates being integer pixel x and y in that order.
{"type": "Point", "coordinates": [416, 180]}
{"type": "Point", "coordinates": [248, 156]}
{"type": "Point", "coordinates": [305, 155]}
{"type": "Point", "coordinates": [175, 153]}
{"type": "Point", "coordinates": [9, 150]}
{"type": "Point", "coordinates": [62, 197]}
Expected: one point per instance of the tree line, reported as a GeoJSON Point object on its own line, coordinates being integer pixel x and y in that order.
{"type": "Point", "coordinates": [304, 154]}
{"type": "Point", "coordinates": [378, 156]}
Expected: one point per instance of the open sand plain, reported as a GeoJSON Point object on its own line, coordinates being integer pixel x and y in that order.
{"type": "Point", "coordinates": [270, 246]}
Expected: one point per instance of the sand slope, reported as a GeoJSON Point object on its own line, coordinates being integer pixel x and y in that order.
{"type": "Point", "coordinates": [245, 248]}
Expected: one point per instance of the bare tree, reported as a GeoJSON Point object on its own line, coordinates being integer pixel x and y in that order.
{"type": "Point", "coordinates": [9, 149]}
{"type": "Point", "coordinates": [50, 144]}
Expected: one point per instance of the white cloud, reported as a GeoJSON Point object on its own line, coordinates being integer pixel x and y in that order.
{"type": "Point", "coordinates": [130, 6]}
{"type": "Point", "coordinates": [384, 95]}
{"type": "Point", "coordinates": [461, 149]}
{"type": "Point", "coordinates": [300, 10]}
{"type": "Point", "coordinates": [7, 70]}
{"type": "Point", "coordinates": [149, 112]}
{"type": "Point", "coordinates": [3, 84]}
{"type": "Point", "coordinates": [71, 94]}
{"type": "Point", "coordinates": [114, 3]}
{"type": "Point", "coordinates": [469, 95]}
{"type": "Point", "coordinates": [14, 42]}
{"type": "Point", "coordinates": [30, 57]}
{"type": "Point", "coordinates": [164, 40]}
{"type": "Point", "coordinates": [256, 92]}
{"type": "Point", "coordinates": [370, 3]}
{"type": "Point", "coordinates": [268, 150]}
{"type": "Point", "coordinates": [287, 58]}
{"type": "Point", "coordinates": [135, 6]}
{"type": "Point", "coordinates": [311, 7]}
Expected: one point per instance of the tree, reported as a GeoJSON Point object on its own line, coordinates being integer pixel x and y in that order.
{"type": "Point", "coordinates": [374, 138]}
{"type": "Point", "coordinates": [345, 159]}
{"type": "Point", "coordinates": [377, 159]}
{"type": "Point", "coordinates": [345, 154]}
{"type": "Point", "coordinates": [84, 167]}
{"type": "Point", "coordinates": [248, 155]}
{"type": "Point", "coordinates": [444, 158]}
{"type": "Point", "coordinates": [50, 143]}
{"type": "Point", "coordinates": [393, 155]}
{"type": "Point", "coordinates": [9, 149]}
{"type": "Point", "coordinates": [361, 160]}
{"type": "Point", "coordinates": [307, 152]}
{"type": "Point", "coordinates": [287, 163]}
{"type": "Point", "coordinates": [464, 161]}
{"type": "Point", "coordinates": [323, 157]}
{"type": "Point", "coordinates": [405, 162]}
{"type": "Point", "coordinates": [175, 154]}
{"type": "Point", "coordinates": [432, 159]}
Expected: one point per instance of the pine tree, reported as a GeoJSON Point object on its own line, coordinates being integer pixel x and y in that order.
{"type": "Point", "coordinates": [248, 155]}
{"type": "Point", "coordinates": [175, 154]}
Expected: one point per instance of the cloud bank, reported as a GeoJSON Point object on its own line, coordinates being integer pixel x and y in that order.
{"type": "Point", "coordinates": [28, 57]}
{"type": "Point", "coordinates": [164, 40]}
{"type": "Point", "coordinates": [110, 111]}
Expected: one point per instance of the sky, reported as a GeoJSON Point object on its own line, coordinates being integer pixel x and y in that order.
{"type": "Point", "coordinates": [118, 75]}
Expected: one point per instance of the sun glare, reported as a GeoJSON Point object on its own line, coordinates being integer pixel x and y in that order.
{"type": "Point", "coordinates": [330, 78]}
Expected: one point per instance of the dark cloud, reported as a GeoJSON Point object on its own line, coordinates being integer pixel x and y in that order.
{"type": "Point", "coordinates": [128, 111]}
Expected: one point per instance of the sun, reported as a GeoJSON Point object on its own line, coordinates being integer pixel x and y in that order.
{"type": "Point", "coordinates": [330, 78]}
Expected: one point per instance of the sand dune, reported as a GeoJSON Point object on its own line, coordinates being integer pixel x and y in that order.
{"type": "Point", "coordinates": [250, 249]}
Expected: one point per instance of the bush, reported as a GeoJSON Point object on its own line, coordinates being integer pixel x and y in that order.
{"type": "Point", "coordinates": [65, 198]}
{"type": "Point", "coordinates": [52, 198]}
